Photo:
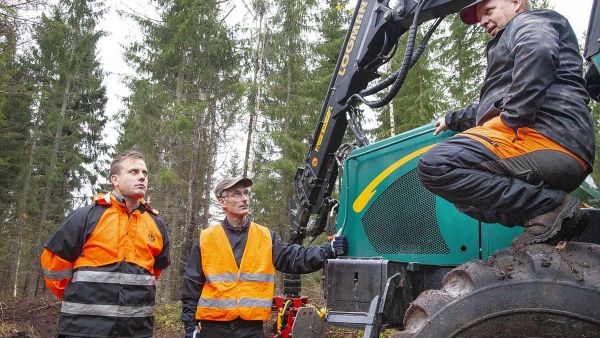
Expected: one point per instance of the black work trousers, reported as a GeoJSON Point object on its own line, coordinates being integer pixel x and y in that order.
{"type": "Point", "coordinates": [236, 328]}
{"type": "Point", "coordinates": [491, 189]}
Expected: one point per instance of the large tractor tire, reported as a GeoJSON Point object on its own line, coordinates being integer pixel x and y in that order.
{"type": "Point", "coordinates": [535, 291]}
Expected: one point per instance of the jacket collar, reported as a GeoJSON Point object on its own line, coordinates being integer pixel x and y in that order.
{"type": "Point", "coordinates": [120, 201]}
{"type": "Point", "coordinates": [230, 227]}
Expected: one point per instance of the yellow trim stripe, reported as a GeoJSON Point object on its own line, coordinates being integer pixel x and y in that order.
{"type": "Point", "coordinates": [365, 196]}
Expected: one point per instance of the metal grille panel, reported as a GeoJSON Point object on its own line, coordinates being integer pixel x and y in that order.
{"type": "Point", "coordinates": [402, 220]}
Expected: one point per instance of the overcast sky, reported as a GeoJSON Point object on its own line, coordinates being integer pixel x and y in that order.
{"type": "Point", "coordinates": [121, 32]}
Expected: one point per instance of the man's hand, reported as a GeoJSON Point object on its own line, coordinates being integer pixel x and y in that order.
{"type": "Point", "coordinates": [339, 245]}
{"type": "Point", "coordinates": [191, 332]}
{"type": "Point", "coordinates": [440, 125]}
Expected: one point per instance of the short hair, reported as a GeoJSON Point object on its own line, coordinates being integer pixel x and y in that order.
{"type": "Point", "coordinates": [115, 165]}
{"type": "Point", "coordinates": [526, 5]}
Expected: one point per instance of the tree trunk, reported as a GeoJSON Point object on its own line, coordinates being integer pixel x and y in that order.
{"type": "Point", "coordinates": [22, 211]}
{"type": "Point", "coordinates": [190, 219]}
{"type": "Point", "coordinates": [258, 61]}
{"type": "Point", "coordinates": [288, 98]}
{"type": "Point", "coordinates": [392, 121]}
{"type": "Point", "coordinates": [212, 149]}
{"type": "Point", "coordinates": [34, 270]}
{"type": "Point", "coordinates": [170, 281]}
{"type": "Point", "coordinates": [391, 105]}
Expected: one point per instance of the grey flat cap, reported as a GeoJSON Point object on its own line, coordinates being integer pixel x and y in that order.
{"type": "Point", "coordinates": [229, 182]}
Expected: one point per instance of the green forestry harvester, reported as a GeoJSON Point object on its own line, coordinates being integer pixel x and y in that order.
{"type": "Point", "coordinates": [414, 262]}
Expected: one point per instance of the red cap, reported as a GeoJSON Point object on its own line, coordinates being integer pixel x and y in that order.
{"type": "Point", "coordinates": [469, 14]}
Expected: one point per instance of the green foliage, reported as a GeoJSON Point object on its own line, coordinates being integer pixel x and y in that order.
{"type": "Point", "coordinates": [448, 75]}
{"type": "Point", "coordinates": [298, 75]}
{"type": "Point", "coordinates": [540, 4]}
{"type": "Point", "coordinates": [69, 74]}
{"type": "Point", "coordinates": [289, 109]}
{"type": "Point", "coordinates": [462, 56]}
{"type": "Point", "coordinates": [167, 177]}
{"type": "Point", "coordinates": [419, 98]}
{"type": "Point", "coordinates": [51, 119]}
{"type": "Point", "coordinates": [15, 99]}
{"type": "Point", "coordinates": [186, 90]}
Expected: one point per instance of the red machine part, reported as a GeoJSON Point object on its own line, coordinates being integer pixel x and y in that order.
{"type": "Point", "coordinates": [286, 309]}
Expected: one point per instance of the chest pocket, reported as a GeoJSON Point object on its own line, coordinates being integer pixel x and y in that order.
{"type": "Point", "coordinates": [148, 239]}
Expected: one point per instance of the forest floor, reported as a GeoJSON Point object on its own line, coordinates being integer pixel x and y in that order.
{"type": "Point", "coordinates": [39, 319]}
{"type": "Point", "coordinates": [29, 318]}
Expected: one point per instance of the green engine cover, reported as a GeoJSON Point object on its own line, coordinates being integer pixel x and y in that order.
{"type": "Point", "coordinates": [385, 211]}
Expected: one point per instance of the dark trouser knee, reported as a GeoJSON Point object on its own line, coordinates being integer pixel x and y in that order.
{"type": "Point", "coordinates": [433, 168]}
{"type": "Point", "coordinates": [456, 170]}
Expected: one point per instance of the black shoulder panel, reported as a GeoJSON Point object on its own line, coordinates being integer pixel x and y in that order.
{"type": "Point", "coordinates": [71, 235]}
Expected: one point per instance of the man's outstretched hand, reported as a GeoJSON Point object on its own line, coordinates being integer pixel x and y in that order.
{"type": "Point", "coordinates": [440, 125]}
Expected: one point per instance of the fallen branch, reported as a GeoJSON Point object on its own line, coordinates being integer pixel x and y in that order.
{"type": "Point", "coordinates": [55, 304]}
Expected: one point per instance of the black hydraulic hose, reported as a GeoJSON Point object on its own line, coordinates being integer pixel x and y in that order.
{"type": "Point", "coordinates": [387, 82]}
{"type": "Point", "coordinates": [425, 40]}
{"type": "Point", "coordinates": [403, 70]}
{"type": "Point", "coordinates": [401, 74]}
{"type": "Point", "coordinates": [408, 52]}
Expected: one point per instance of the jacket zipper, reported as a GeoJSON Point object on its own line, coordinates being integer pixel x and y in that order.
{"type": "Point", "coordinates": [487, 139]}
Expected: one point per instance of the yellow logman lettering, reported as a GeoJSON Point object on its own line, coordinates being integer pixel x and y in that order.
{"type": "Point", "coordinates": [323, 128]}
{"type": "Point", "coordinates": [352, 40]}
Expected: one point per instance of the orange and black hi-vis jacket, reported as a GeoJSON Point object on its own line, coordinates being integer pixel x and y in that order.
{"type": "Point", "coordinates": [103, 263]}
{"type": "Point", "coordinates": [230, 292]}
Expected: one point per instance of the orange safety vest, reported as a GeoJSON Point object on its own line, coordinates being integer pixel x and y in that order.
{"type": "Point", "coordinates": [231, 292]}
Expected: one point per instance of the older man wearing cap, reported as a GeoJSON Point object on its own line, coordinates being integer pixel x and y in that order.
{"type": "Point", "coordinates": [529, 140]}
{"type": "Point", "coordinates": [230, 277]}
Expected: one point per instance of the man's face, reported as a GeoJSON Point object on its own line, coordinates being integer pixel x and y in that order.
{"type": "Point", "coordinates": [494, 15]}
{"type": "Point", "coordinates": [235, 201]}
{"type": "Point", "coordinates": [132, 179]}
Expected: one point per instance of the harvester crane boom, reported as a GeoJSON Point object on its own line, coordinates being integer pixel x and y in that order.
{"type": "Point", "coordinates": [370, 42]}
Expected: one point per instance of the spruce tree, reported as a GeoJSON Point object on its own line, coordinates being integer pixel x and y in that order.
{"type": "Point", "coordinates": [184, 97]}
{"type": "Point", "coordinates": [69, 118]}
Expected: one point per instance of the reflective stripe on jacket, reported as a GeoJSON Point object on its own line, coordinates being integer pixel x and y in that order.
{"type": "Point", "coordinates": [106, 261]}
{"type": "Point", "coordinates": [231, 292]}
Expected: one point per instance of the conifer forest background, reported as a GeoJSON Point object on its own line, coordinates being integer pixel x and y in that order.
{"type": "Point", "coordinates": [211, 97]}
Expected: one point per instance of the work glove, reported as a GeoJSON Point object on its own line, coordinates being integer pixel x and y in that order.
{"type": "Point", "coordinates": [339, 245]}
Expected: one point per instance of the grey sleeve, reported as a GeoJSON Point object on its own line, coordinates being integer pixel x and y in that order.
{"type": "Point", "coordinates": [293, 258]}
{"type": "Point", "coordinates": [191, 289]}
{"type": "Point", "coordinates": [536, 56]}
{"type": "Point", "coordinates": [462, 119]}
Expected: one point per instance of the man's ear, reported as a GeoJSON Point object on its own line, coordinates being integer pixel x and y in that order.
{"type": "Point", "coordinates": [221, 202]}
{"type": "Point", "coordinates": [518, 4]}
{"type": "Point", "coordinates": [114, 180]}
